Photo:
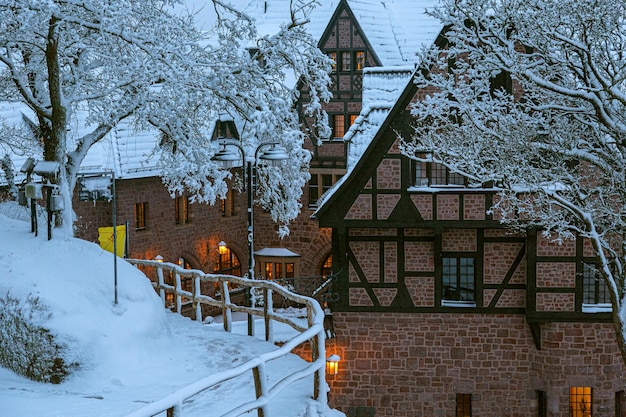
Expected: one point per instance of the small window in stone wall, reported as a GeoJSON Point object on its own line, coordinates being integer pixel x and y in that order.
{"type": "Point", "coordinates": [580, 402]}
{"type": "Point", "coordinates": [181, 210]}
{"type": "Point", "coordinates": [141, 215]}
{"type": "Point", "coordinates": [463, 405]}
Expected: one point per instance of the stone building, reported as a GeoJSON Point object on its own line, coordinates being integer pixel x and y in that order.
{"type": "Point", "coordinates": [442, 311]}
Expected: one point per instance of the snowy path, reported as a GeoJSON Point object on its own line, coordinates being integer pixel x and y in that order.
{"type": "Point", "coordinates": [136, 378]}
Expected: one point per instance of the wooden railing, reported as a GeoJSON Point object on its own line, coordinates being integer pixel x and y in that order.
{"type": "Point", "coordinates": [313, 333]}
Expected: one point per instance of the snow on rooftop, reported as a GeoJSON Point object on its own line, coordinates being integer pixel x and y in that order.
{"type": "Point", "coordinates": [276, 252]}
{"type": "Point", "coordinates": [396, 29]}
{"type": "Point", "coordinates": [381, 89]}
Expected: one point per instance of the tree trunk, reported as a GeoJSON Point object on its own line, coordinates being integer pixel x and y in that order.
{"type": "Point", "coordinates": [55, 144]}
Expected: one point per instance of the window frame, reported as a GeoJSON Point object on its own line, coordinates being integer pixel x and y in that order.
{"type": "Point", "coordinates": [346, 61]}
{"type": "Point", "coordinates": [181, 210]}
{"type": "Point", "coordinates": [141, 215]}
{"type": "Point", "coordinates": [577, 396]}
{"type": "Point", "coordinates": [424, 176]}
{"type": "Point", "coordinates": [359, 60]}
{"type": "Point", "coordinates": [316, 183]}
{"type": "Point", "coordinates": [458, 300]}
{"type": "Point", "coordinates": [589, 270]}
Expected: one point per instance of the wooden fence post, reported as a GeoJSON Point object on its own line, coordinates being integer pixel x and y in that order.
{"type": "Point", "coordinates": [260, 387]}
{"type": "Point", "coordinates": [227, 313]}
{"type": "Point", "coordinates": [160, 285]}
{"type": "Point", "coordinates": [196, 292]}
{"type": "Point", "coordinates": [268, 308]}
{"type": "Point", "coordinates": [177, 290]}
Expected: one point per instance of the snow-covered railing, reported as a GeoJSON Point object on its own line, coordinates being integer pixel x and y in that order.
{"type": "Point", "coordinates": [314, 333]}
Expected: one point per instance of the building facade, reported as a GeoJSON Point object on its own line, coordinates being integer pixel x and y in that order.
{"type": "Point", "coordinates": [443, 311]}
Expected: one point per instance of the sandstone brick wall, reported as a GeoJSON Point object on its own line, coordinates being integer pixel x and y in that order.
{"type": "Point", "coordinates": [414, 364]}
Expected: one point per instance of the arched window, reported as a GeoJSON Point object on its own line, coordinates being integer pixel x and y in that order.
{"type": "Point", "coordinates": [327, 267]}
{"type": "Point", "coordinates": [228, 263]}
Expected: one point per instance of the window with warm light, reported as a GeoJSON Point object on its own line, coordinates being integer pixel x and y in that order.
{"type": "Point", "coordinates": [228, 262]}
{"type": "Point", "coordinates": [333, 57]}
{"type": "Point", "coordinates": [141, 214]}
{"type": "Point", "coordinates": [580, 401]}
{"type": "Point", "coordinates": [339, 126]}
{"type": "Point", "coordinates": [186, 283]}
{"type": "Point", "coordinates": [359, 60]}
{"type": "Point", "coordinates": [277, 267]}
{"type": "Point", "coordinates": [463, 405]}
{"type": "Point", "coordinates": [327, 267]}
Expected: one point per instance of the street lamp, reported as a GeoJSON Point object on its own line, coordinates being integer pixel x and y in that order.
{"type": "Point", "coordinates": [227, 158]}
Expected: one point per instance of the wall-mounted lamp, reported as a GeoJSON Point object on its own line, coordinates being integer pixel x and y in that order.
{"type": "Point", "coordinates": [158, 258]}
{"type": "Point", "coordinates": [332, 364]}
{"type": "Point", "coordinates": [222, 248]}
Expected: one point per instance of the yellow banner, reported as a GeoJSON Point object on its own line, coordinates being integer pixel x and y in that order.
{"type": "Point", "coordinates": [105, 236]}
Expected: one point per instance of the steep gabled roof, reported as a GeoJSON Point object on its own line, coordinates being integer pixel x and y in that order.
{"type": "Point", "coordinates": [340, 197]}
{"type": "Point", "coordinates": [396, 29]}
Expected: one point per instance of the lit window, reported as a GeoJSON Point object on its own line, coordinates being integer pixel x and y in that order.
{"type": "Point", "coordinates": [181, 208]}
{"type": "Point", "coordinates": [327, 267]}
{"type": "Point", "coordinates": [346, 62]}
{"type": "Point", "coordinates": [458, 281]}
{"type": "Point", "coordinates": [580, 401]}
{"type": "Point", "coordinates": [333, 57]}
{"type": "Point", "coordinates": [228, 263]}
{"type": "Point", "coordinates": [186, 283]}
{"type": "Point", "coordinates": [463, 405]}
{"type": "Point", "coordinates": [359, 60]}
{"type": "Point", "coordinates": [353, 118]}
{"type": "Point", "coordinates": [339, 125]}
{"type": "Point", "coordinates": [141, 213]}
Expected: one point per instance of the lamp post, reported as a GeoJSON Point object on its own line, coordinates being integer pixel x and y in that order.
{"type": "Point", "coordinates": [227, 158]}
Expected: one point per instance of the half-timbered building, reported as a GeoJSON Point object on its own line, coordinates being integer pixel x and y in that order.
{"type": "Point", "coordinates": [442, 310]}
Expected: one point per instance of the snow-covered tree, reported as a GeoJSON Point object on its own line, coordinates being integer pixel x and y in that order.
{"type": "Point", "coordinates": [552, 137]}
{"type": "Point", "coordinates": [104, 61]}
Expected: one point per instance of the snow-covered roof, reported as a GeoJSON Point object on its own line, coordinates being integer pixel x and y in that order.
{"type": "Point", "coordinates": [127, 151]}
{"type": "Point", "coordinates": [396, 29]}
{"type": "Point", "coordinates": [381, 88]}
{"type": "Point", "coordinates": [276, 252]}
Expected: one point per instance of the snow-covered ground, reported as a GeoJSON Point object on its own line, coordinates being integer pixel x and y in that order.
{"type": "Point", "coordinates": [131, 353]}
